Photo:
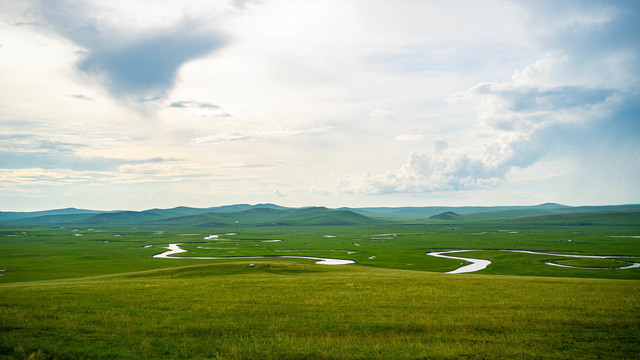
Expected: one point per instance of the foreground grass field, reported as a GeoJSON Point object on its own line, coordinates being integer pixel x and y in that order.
{"type": "Point", "coordinates": [293, 310]}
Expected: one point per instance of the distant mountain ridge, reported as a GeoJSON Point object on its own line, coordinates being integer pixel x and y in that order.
{"type": "Point", "coordinates": [271, 214]}
{"type": "Point", "coordinates": [256, 215]}
{"type": "Point", "coordinates": [460, 210]}
{"type": "Point", "coordinates": [27, 214]}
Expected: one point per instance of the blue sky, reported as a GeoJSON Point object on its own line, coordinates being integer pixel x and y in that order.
{"type": "Point", "coordinates": [139, 104]}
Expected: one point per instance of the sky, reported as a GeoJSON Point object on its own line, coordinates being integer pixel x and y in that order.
{"type": "Point", "coordinates": [135, 105]}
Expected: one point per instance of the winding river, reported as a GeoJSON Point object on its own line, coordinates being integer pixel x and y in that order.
{"type": "Point", "coordinates": [479, 264]}
{"type": "Point", "coordinates": [472, 266]}
{"type": "Point", "coordinates": [174, 249]}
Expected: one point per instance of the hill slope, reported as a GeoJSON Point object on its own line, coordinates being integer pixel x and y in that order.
{"type": "Point", "coordinates": [258, 215]}
{"type": "Point", "coordinates": [270, 216]}
{"type": "Point", "coordinates": [619, 217]}
{"type": "Point", "coordinates": [14, 215]}
{"type": "Point", "coordinates": [447, 215]}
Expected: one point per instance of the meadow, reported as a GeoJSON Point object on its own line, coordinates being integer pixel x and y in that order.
{"type": "Point", "coordinates": [97, 292]}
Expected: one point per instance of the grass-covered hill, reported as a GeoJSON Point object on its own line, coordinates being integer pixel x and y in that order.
{"type": "Point", "coordinates": [486, 213]}
{"type": "Point", "coordinates": [447, 215]}
{"type": "Point", "coordinates": [319, 216]}
{"type": "Point", "coordinates": [619, 217]}
{"type": "Point", "coordinates": [191, 217]}
{"type": "Point", "coordinates": [428, 211]}
{"type": "Point", "coordinates": [8, 216]}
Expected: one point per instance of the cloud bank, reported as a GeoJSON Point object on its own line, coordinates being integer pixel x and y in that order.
{"type": "Point", "coordinates": [581, 98]}
{"type": "Point", "coordinates": [332, 102]}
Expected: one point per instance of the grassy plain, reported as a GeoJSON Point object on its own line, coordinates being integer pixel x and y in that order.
{"type": "Point", "coordinates": [77, 293]}
{"type": "Point", "coordinates": [38, 254]}
{"type": "Point", "coordinates": [291, 310]}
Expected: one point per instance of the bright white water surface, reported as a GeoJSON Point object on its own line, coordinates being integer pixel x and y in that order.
{"type": "Point", "coordinates": [174, 249]}
{"type": "Point", "coordinates": [480, 264]}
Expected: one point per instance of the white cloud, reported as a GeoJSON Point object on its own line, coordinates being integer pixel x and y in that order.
{"type": "Point", "coordinates": [312, 88]}
{"type": "Point", "coordinates": [553, 106]}
{"type": "Point", "coordinates": [434, 173]}
{"type": "Point", "coordinates": [513, 106]}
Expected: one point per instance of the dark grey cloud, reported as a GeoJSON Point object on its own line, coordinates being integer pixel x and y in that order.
{"type": "Point", "coordinates": [192, 103]}
{"type": "Point", "coordinates": [134, 66]}
{"type": "Point", "coordinates": [23, 151]}
{"type": "Point", "coordinates": [585, 26]}
{"type": "Point", "coordinates": [54, 160]}
{"type": "Point", "coordinates": [147, 66]}
{"type": "Point", "coordinates": [64, 160]}
{"type": "Point", "coordinates": [533, 98]}
{"type": "Point", "coordinates": [32, 143]}
{"type": "Point", "coordinates": [200, 108]}
{"type": "Point", "coordinates": [26, 23]}
{"type": "Point", "coordinates": [82, 97]}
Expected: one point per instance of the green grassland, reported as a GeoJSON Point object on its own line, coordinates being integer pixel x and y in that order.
{"type": "Point", "coordinates": [292, 310]}
{"type": "Point", "coordinates": [95, 291]}
{"type": "Point", "coordinates": [54, 253]}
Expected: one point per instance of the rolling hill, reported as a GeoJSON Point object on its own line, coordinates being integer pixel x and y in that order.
{"type": "Point", "coordinates": [447, 215]}
{"type": "Point", "coordinates": [428, 211]}
{"type": "Point", "coordinates": [258, 215]}
{"type": "Point", "coordinates": [618, 217]}
{"type": "Point", "coordinates": [270, 214]}
{"type": "Point", "coordinates": [14, 215]}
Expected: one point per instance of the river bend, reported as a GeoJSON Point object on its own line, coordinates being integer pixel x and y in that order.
{"type": "Point", "coordinates": [174, 249]}
{"type": "Point", "coordinates": [480, 264]}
